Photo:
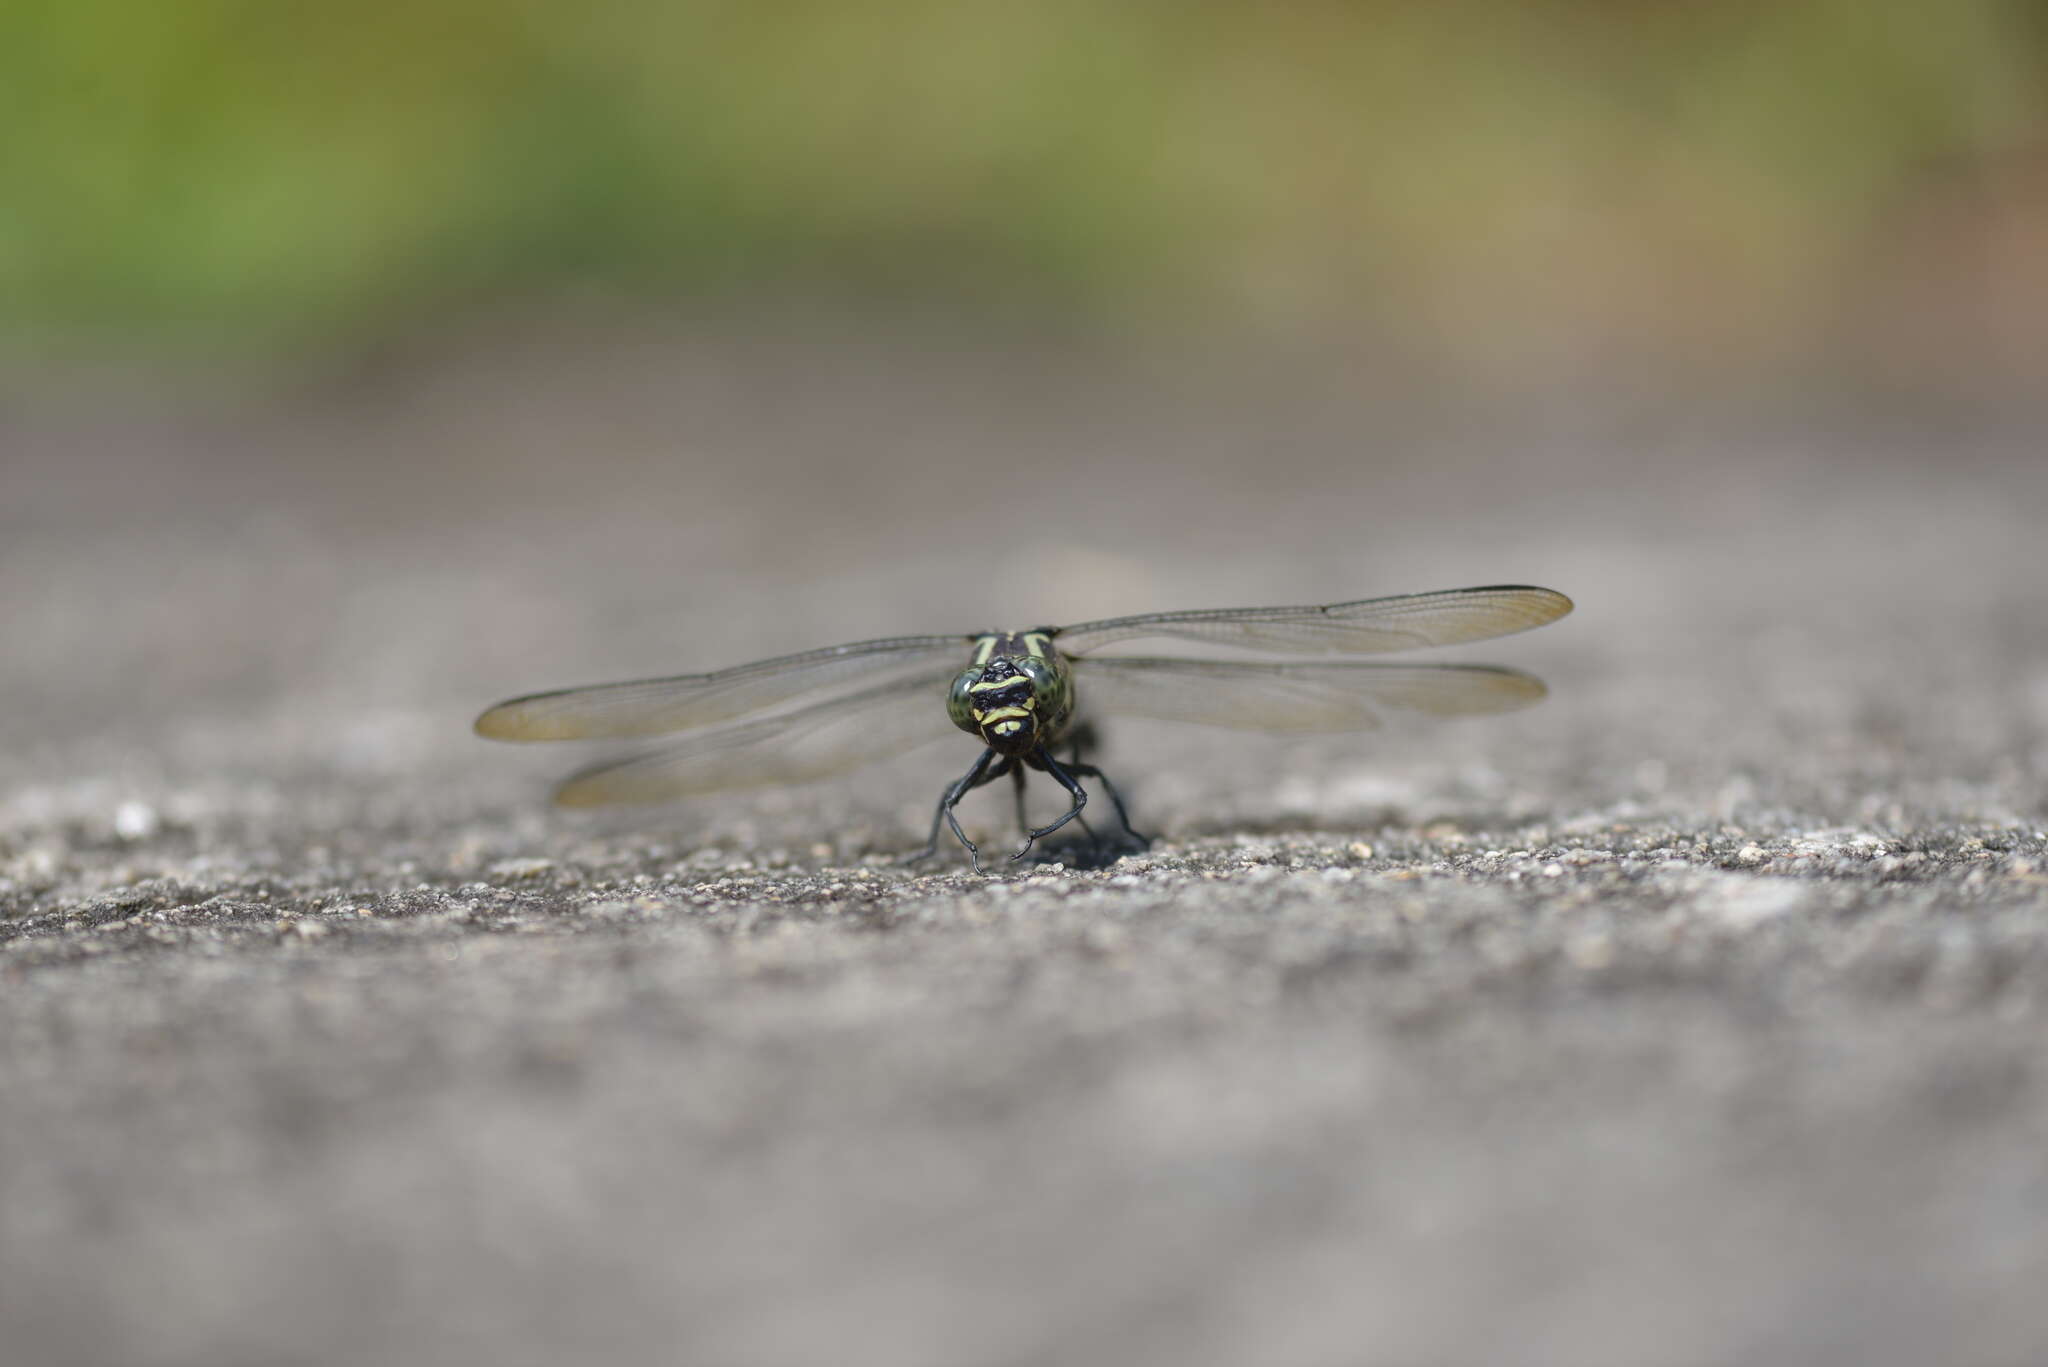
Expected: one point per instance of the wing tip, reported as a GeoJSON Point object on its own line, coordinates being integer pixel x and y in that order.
{"type": "Point", "coordinates": [1542, 605]}
{"type": "Point", "coordinates": [492, 724]}
{"type": "Point", "coordinates": [634, 781]}
{"type": "Point", "coordinates": [1520, 689]}
{"type": "Point", "coordinates": [586, 789]}
{"type": "Point", "coordinates": [1555, 603]}
{"type": "Point", "coordinates": [512, 720]}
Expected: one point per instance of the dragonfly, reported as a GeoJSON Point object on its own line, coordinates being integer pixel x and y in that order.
{"type": "Point", "coordinates": [1023, 695]}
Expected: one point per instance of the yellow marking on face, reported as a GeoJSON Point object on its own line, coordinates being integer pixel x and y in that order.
{"type": "Point", "coordinates": [981, 684]}
{"type": "Point", "coordinates": [999, 714]}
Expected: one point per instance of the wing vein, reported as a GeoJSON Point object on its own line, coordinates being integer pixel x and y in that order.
{"type": "Point", "coordinates": [1347, 696]}
{"type": "Point", "coordinates": [1364, 627]}
{"type": "Point", "coordinates": [682, 702]}
{"type": "Point", "coordinates": [821, 741]}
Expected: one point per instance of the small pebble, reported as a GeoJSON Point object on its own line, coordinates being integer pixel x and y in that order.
{"type": "Point", "coordinates": [135, 821]}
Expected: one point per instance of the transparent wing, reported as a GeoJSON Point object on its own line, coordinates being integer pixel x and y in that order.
{"type": "Point", "coordinates": [821, 741]}
{"type": "Point", "coordinates": [1289, 697]}
{"type": "Point", "coordinates": [1366, 627]}
{"type": "Point", "coordinates": [653, 707]}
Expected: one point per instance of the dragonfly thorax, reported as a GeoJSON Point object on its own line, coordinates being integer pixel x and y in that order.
{"type": "Point", "coordinates": [1015, 702]}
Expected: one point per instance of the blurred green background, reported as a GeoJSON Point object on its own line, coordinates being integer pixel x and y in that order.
{"type": "Point", "coordinates": [1550, 183]}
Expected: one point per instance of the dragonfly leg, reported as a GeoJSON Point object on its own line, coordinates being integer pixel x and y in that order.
{"type": "Point", "coordinates": [1044, 760]}
{"type": "Point", "coordinates": [966, 784]}
{"type": "Point", "coordinates": [1116, 798]}
{"type": "Point", "coordinates": [1016, 771]}
{"type": "Point", "coordinates": [1024, 822]}
{"type": "Point", "coordinates": [1081, 734]}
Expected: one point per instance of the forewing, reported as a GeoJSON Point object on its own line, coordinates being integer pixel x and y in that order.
{"type": "Point", "coordinates": [1367, 627]}
{"type": "Point", "coordinates": [821, 741]}
{"type": "Point", "coordinates": [653, 707]}
{"type": "Point", "coordinates": [1295, 697]}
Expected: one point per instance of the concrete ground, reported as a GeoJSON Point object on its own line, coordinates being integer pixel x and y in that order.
{"type": "Point", "coordinates": [1699, 1015]}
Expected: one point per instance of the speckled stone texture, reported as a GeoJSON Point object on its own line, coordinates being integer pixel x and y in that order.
{"type": "Point", "coordinates": [1699, 1015]}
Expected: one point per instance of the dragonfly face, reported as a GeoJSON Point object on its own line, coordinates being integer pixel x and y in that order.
{"type": "Point", "coordinates": [1017, 695]}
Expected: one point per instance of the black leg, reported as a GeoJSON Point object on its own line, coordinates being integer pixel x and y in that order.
{"type": "Point", "coordinates": [1066, 780]}
{"type": "Point", "coordinates": [1023, 820]}
{"type": "Point", "coordinates": [1074, 765]}
{"type": "Point", "coordinates": [950, 799]}
{"type": "Point", "coordinates": [1017, 784]}
{"type": "Point", "coordinates": [1116, 799]}
{"type": "Point", "coordinates": [931, 844]}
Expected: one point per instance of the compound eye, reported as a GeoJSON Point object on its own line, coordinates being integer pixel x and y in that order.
{"type": "Point", "coordinates": [960, 702]}
{"type": "Point", "coordinates": [1044, 682]}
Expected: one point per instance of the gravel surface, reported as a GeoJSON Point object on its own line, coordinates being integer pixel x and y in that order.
{"type": "Point", "coordinates": [1695, 1016]}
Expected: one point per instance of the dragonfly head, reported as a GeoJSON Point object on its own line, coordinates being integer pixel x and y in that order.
{"type": "Point", "coordinates": [1015, 703]}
